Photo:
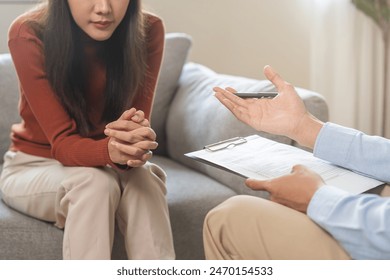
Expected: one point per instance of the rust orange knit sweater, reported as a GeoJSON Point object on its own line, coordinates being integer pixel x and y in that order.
{"type": "Point", "coordinates": [46, 129]}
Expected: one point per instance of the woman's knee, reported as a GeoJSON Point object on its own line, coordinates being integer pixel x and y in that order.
{"type": "Point", "coordinates": [149, 177]}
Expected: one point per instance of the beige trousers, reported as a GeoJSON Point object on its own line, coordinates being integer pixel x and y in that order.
{"type": "Point", "coordinates": [247, 228]}
{"type": "Point", "coordinates": [87, 201]}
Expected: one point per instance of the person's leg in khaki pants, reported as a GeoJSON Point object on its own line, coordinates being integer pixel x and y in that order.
{"type": "Point", "coordinates": [142, 214]}
{"type": "Point", "coordinates": [247, 227]}
{"type": "Point", "coordinates": [82, 200]}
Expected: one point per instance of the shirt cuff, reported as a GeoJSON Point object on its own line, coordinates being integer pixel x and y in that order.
{"type": "Point", "coordinates": [324, 200]}
{"type": "Point", "coordinates": [333, 143]}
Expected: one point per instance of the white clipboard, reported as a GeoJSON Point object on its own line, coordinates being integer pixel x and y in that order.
{"type": "Point", "coordinates": [261, 158]}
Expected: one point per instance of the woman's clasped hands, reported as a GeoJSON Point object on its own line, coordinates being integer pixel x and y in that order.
{"type": "Point", "coordinates": [131, 139]}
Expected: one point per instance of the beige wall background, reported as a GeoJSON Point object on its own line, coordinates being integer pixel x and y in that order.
{"type": "Point", "coordinates": [229, 36]}
{"type": "Point", "coordinates": [240, 37]}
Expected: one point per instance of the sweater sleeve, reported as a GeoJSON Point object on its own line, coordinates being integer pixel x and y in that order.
{"type": "Point", "coordinates": [44, 111]}
{"type": "Point", "coordinates": [46, 128]}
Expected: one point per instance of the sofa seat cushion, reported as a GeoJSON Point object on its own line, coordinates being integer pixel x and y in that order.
{"type": "Point", "coordinates": [23, 237]}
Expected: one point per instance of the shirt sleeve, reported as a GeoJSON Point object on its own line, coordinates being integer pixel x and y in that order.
{"type": "Point", "coordinates": [352, 149]}
{"type": "Point", "coordinates": [361, 223]}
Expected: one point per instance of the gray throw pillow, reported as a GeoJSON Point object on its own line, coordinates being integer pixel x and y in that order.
{"type": "Point", "coordinates": [177, 46]}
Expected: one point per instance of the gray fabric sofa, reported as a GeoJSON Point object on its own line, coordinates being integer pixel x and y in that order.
{"type": "Point", "coordinates": [186, 117]}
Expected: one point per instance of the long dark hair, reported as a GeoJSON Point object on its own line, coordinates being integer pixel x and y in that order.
{"type": "Point", "coordinates": [123, 55]}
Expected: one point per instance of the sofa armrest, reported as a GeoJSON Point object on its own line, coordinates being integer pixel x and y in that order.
{"type": "Point", "coordinates": [9, 95]}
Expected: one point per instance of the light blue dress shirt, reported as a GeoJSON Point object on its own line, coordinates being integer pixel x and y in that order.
{"type": "Point", "coordinates": [360, 223]}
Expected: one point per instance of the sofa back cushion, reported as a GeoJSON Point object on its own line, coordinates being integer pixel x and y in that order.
{"type": "Point", "coordinates": [177, 46]}
{"type": "Point", "coordinates": [196, 118]}
{"type": "Point", "coordinates": [9, 96]}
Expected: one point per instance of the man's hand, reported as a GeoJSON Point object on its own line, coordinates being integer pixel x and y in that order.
{"type": "Point", "coordinates": [294, 190]}
{"type": "Point", "coordinates": [285, 114]}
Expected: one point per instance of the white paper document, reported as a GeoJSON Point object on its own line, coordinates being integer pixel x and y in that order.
{"type": "Point", "coordinates": [260, 158]}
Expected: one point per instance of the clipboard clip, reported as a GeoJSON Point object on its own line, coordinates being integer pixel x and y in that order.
{"type": "Point", "coordinates": [225, 144]}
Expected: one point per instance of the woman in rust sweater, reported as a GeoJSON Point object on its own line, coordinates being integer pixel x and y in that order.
{"type": "Point", "coordinates": [79, 157]}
